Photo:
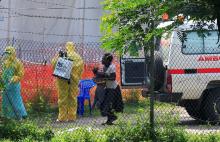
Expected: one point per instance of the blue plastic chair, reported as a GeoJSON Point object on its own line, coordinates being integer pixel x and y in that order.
{"type": "Point", "coordinates": [84, 94]}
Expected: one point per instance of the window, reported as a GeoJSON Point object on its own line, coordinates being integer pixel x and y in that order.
{"type": "Point", "coordinates": [197, 44]}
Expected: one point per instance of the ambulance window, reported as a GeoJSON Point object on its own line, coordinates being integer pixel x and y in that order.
{"type": "Point", "coordinates": [197, 44]}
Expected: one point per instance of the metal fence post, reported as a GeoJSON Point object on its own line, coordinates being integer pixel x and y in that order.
{"type": "Point", "coordinates": [151, 72]}
{"type": "Point", "coordinates": [152, 91]}
{"type": "Point", "coordinates": [152, 123]}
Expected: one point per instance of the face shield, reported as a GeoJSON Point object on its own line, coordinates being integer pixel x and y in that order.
{"type": "Point", "coordinates": [9, 53]}
{"type": "Point", "coordinates": [6, 55]}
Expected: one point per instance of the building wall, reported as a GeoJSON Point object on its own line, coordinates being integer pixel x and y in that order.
{"type": "Point", "coordinates": [51, 21]}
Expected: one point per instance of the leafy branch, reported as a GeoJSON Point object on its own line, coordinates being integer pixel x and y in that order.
{"type": "Point", "coordinates": [121, 24]}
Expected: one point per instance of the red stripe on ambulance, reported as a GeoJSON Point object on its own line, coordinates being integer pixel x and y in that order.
{"type": "Point", "coordinates": [176, 71]}
{"type": "Point", "coordinates": [201, 70]}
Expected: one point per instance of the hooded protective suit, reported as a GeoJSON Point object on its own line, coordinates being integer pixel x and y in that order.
{"type": "Point", "coordinates": [12, 73]}
{"type": "Point", "coordinates": [68, 91]}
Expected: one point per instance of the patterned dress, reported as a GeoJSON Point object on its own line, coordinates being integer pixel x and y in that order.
{"type": "Point", "coordinates": [12, 103]}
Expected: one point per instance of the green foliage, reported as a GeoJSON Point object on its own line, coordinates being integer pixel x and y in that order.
{"type": "Point", "coordinates": [141, 131]}
{"type": "Point", "coordinates": [79, 135]}
{"type": "Point", "coordinates": [121, 25]}
{"type": "Point", "coordinates": [40, 103]}
{"type": "Point", "coordinates": [204, 10]}
{"type": "Point", "coordinates": [16, 130]}
{"type": "Point", "coordinates": [136, 130]}
{"type": "Point", "coordinates": [204, 138]}
{"type": "Point", "coordinates": [170, 130]}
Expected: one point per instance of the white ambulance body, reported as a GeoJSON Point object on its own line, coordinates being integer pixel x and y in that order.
{"type": "Point", "coordinates": [191, 70]}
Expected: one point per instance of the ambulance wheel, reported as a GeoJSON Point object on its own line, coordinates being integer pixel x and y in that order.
{"type": "Point", "coordinates": [211, 105]}
{"type": "Point", "coordinates": [159, 71]}
{"type": "Point", "coordinates": [196, 114]}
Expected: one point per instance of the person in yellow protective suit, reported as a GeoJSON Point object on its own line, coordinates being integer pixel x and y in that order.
{"type": "Point", "coordinates": [12, 73]}
{"type": "Point", "coordinates": [68, 90]}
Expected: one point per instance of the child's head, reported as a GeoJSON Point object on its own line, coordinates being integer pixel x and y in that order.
{"type": "Point", "coordinates": [107, 59]}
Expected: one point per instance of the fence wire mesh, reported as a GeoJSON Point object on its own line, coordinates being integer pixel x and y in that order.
{"type": "Point", "coordinates": [186, 76]}
{"type": "Point", "coordinates": [40, 93]}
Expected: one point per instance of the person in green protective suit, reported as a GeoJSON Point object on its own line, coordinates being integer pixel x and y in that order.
{"type": "Point", "coordinates": [68, 90]}
{"type": "Point", "coordinates": [12, 73]}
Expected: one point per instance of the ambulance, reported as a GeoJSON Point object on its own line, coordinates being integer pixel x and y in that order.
{"type": "Point", "coordinates": [187, 69]}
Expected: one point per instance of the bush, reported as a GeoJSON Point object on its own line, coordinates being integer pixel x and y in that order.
{"type": "Point", "coordinates": [141, 131]}
{"type": "Point", "coordinates": [204, 138]}
{"type": "Point", "coordinates": [168, 130]}
{"type": "Point", "coordinates": [129, 132]}
{"type": "Point", "coordinates": [40, 101]}
{"type": "Point", "coordinates": [79, 135]}
{"type": "Point", "coordinates": [138, 130]}
{"type": "Point", "coordinates": [16, 130]}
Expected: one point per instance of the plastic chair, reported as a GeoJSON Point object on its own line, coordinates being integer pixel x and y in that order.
{"type": "Point", "coordinates": [84, 94]}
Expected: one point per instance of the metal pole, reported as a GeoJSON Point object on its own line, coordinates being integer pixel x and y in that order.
{"type": "Point", "coordinates": [83, 24]}
{"type": "Point", "coordinates": [152, 86]}
{"type": "Point", "coordinates": [152, 91]}
{"type": "Point", "coordinates": [83, 27]}
{"type": "Point", "coordinates": [9, 21]}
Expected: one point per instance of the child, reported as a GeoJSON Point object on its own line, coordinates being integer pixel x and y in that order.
{"type": "Point", "coordinates": [100, 89]}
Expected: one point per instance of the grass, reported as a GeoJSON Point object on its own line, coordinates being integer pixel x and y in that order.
{"type": "Point", "coordinates": [131, 111]}
{"type": "Point", "coordinates": [124, 131]}
{"type": "Point", "coordinates": [44, 114]}
{"type": "Point", "coordinates": [50, 116]}
{"type": "Point", "coordinates": [133, 108]}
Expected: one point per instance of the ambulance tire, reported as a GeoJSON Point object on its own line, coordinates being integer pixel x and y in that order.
{"type": "Point", "coordinates": [159, 72]}
{"type": "Point", "coordinates": [196, 114]}
{"type": "Point", "coordinates": [211, 105]}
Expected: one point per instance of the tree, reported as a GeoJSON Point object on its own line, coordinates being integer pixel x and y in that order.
{"type": "Point", "coordinates": [121, 25]}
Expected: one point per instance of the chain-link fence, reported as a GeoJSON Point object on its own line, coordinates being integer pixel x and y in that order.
{"type": "Point", "coordinates": [186, 76]}
{"type": "Point", "coordinates": [40, 92]}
